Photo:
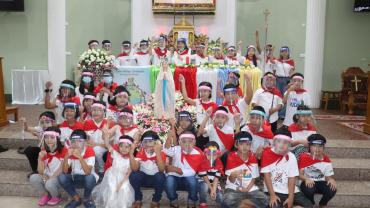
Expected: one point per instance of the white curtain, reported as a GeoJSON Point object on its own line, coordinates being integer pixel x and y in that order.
{"type": "Point", "coordinates": [28, 86]}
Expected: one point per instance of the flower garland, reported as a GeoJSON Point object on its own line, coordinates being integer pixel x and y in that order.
{"type": "Point", "coordinates": [95, 61]}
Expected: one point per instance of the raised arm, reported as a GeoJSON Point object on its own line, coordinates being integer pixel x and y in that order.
{"type": "Point", "coordinates": [202, 126]}
{"type": "Point", "coordinates": [249, 92]}
{"type": "Point", "coordinates": [48, 89]}
{"type": "Point", "coordinates": [184, 92]}
{"type": "Point", "coordinates": [258, 45]}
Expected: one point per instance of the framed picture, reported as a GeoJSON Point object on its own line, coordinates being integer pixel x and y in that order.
{"type": "Point", "coordinates": [184, 6]}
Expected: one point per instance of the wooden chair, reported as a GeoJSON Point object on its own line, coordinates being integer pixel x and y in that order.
{"type": "Point", "coordinates": [354, 89]}
{"type": "Point", "coordinates": [12, 110]}
{"type": "Point", "coordinates": [330, 96]}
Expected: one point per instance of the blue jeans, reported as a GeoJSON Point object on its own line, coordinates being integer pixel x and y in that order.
{"type": "Point", "coordinates": [204, 193]}
{"type": "Point", "coordinates": [189, 184]}
{"type": "Point", "coordinates": [233, 199]}
{"type": "Point", "coordinates": [320, 187]}
{"type": "Point", "coordinates": [281, 84]}
{"type": "Point", "coordinates": [70, 183]}
{"type": "Point", "coordinates": [139, 179]}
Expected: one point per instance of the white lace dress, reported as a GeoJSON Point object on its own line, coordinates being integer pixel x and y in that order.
{"type": "Point", "coordinates": [106, 194]}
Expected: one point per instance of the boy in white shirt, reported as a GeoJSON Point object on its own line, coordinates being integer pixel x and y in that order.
{"type": "Point", "coordinates": [280, 170]}
{"type": "Point", "coordinates": [148, 168]}
{"type": "Point", "coordinates": [126, 58]}
{"type": "Point", "coordinates": [316, 171]}
{"type": "Point", "coordinates": [270, 98]}
{"type": "Point", "coordinates": [81, 159]}
{"type": "Point", "coordinates": [187, 161]}
{"type": "Point", "coordinates": [144, 55]}
{"type": "Point", "coordinates": [294, 97]}
{"type": "Point", "coordinates": [242, 171]}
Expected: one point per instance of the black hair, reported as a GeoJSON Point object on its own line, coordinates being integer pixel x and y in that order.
{"type": "Point", "coordinates": [82, 85]}
{"type": "Point", "coordinates": [297, 74]}
{"type": "Point", "coordinates": [126, 42]}
{"type": "Point", "coordinates": [300, 107]}
{"type": "Point", "coordinates": [254, 58]}
{"type": "Point", "coordinates": [267, 73]}
{"type": "Point", "coordinates": [83, 101]}
{"type": "Point", "coordinates": [316, 137]}
{"type": "Point", "coordinates": [126, 137]}
{"type": "Point", "coordinates": [127, 110]}
{"type": "Point", "coordinates": [76, 108]}
{"type": "Point", "coordinates": [212, 143]}
{"type": "Point", "coordinates": [105, 41]}
{"type": "Point", "coordinates": [79, 132]}
{"type": "Point", "coordinates": [48, 114]}
{"type": "Point", "coordinates": [93, 41]}
{"type": "Point", "coordinates": [284, 131]}
{"type": "Point", "coordinates": [242, 134]}
{"type": "Point", "coordinates": [119, 89]}
{"type": "Point", "coordinates": [70, 82]}
{"type": "Point", "coordinates": [59, 144]}
{"type": "Point", "coordinates": [208, 84]}
{"type": "Point", "coordinates": [259, 108]}
{"type": "Point", "coordinates": [281, 57]}
{"type": "Point", "coordinates": [182, 40]}
{"type": "Point", "coordinates": [144, 42]}
{"type": "Point", "coordinates": [151, 134]}
{"type": "Point", "coordinates": [229, 85]}
{"type": "Point", "coordinates": [222, 108]}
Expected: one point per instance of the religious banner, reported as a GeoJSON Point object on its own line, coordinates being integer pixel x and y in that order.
{"type": "Point", "coordinates": [184, 6]}
{"type": "Point", "coordinates": [137, 81]}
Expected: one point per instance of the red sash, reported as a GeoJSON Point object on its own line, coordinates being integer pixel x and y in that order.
{"type": "Point", "coordinates": [289, 61]}
{"type": "Point", "coordinates": [295, 128]}
{"type": "Point", "coordinates": [159, 52]}
{"type": "Point", "coordinates": [234, 160]}
{"type": "Point", "coordinates": [226, 139]}
{"type": "Point", "coordinates": [184, 52]}
{"type": "Point", "coordinates": [77, 125]}
{"type": "Point", "coordinates": [115, 109]}
{"type": "Point", "coordinates": [266, 132]}
{"type": "Point", "coordinates": [122, 54]}
{"type": "Point", "coordinates": [89, 152]}
{"type": "Point", "coordinates": [300, 91]}
{"type": "Point", "coordinates": [141, 53]}
{"type": "Point", "coordinates": [274, 91]}
{"type": "Point", "coordinates": [143, 156]}
{"type": "Point", "coordinates": [231, 107]}
{"type": "Point", "coordinates": [232, 58]}
{"type": "Point", "coordinates": [207, 105]}
{"type": "Point", "coordinates": [198, 162]}
{"type": "Point", "coordinates": [306, 160]}
{"type": "Point", "coordinates": [101, 85]}
{"type": "Point", "coordinates": [269, 157]}
{"type": "Point", "coordinates": [74, 99]}
{"type": "Point", "coordinates": [60, 155]}
{"type": "Point", "coordinates": [125, 130]}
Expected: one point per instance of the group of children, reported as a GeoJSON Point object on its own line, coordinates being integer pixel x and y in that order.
{"type": "Point", "coordinates": [235, 154]}
{"type": "Point", "coordinates": [147, 53]}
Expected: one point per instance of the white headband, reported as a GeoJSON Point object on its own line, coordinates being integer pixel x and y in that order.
{"type": "Point", "coordinates": [187, 136]}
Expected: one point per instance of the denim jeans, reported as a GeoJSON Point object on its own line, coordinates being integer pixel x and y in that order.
{"type": "Point", "coordinates": [139, 179]}
{"type": "Point", "coordinates": [189, 184]}
{"type": "Point", "coordinates": [232, 198]}
{"type": "Point", "coordinates": [320, 187]}
{"type": "Point", "coordinates": [204, 193]}
{"type": "Point", "coordinates": [299, 199]}
{"type": "Point", "coordinates": [70, 183]}
{"type": "Point", "coordinates": [281, 84]}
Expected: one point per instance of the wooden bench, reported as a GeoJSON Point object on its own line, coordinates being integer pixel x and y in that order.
{"type": "Point", "coordinates": [12, 110]}
{"type": "Point", "coordinates": [327, 96]}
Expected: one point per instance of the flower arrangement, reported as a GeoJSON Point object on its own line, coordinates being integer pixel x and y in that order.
{"type": "Point", "coordinates": [145, 116]}
{"type": "Point", "coordinates": [96, 61]}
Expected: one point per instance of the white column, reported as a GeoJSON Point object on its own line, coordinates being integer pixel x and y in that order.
{"type": "Point", "coordinates": [314, 54]}
{"type": "Point", "coordinates": [56, 41]}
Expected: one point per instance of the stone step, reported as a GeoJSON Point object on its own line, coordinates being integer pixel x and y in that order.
{"type": "Point", "coordinates": [344, 169]}
{"type": "Point", "coordinates": [350, 193]}
{"type": "Point", "coordinates": [348, 148]}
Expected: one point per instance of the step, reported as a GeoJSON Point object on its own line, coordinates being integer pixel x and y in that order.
{"type": "Point", "coordinates": [350, 193]}
{"type": "Point", "coordinates": [348, 148]}
{"type": "Point", "coordinates": [16, 142]}
{"type": "Point", "coordinates": [351, 169]}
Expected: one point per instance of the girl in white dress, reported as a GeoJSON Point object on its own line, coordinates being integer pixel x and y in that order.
{"type": "Point", "coordinates": [115, 190]}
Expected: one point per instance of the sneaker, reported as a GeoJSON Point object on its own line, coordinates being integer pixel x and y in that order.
{"type": "Point", "coordinates": [73, 204]}
{"type": "Point", "coordinates": [203, 205]}
{"type": "Point", "coordinates": [54, 201]}
{"type": "Point", "coordinates": [89, 204]}
{"type": "Point", "coordinates": [43, 200]}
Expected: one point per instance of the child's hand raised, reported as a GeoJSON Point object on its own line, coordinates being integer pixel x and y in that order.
{"type": "Point", "coordinates": [48, 84]}
{"type": "Point", "coordinates": [158, 147]}
{"type": "Point", "coordinates": [42, 154]}
{"type": "Point", "coordinates": [237, 118]}
{"type": "Point", "coordinates": [209, 112]}
{"type": "Point", "coordinates": [182, 78]}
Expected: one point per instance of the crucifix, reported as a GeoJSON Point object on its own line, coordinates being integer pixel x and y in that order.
{"type": "Point", "coordinates": [356, 81]}
{"type": "Point", "coordinates": [266, 13]}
